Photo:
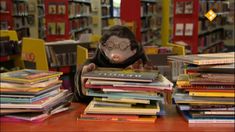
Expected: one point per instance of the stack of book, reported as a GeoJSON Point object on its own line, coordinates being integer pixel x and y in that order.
{"type": "Point", "coordinates": [206, 93]}
{"type": "Point", "coordinates": [126, 95]}
{"type": "Point", "coordinates": [32, 95]}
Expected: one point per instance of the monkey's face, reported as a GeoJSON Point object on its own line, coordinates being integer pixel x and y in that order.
{"type": "Point", "coordinates": [117, 49]}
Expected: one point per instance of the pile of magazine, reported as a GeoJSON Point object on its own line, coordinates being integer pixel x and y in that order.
{"type": "Point", "coordinates": [126, 95]}
{"type": "Point", "coordinates": [32, 95]}
{"type": "Point", "coordinates": [206, 93]}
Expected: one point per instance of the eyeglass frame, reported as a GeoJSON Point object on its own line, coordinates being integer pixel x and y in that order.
{"type": "Point", "coordinates": [115, 45]}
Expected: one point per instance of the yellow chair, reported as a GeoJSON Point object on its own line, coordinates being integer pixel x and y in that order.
{"type": "Point", "coordinates": [34, 54]}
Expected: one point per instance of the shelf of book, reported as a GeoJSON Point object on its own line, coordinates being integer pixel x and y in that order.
{"type": "Point", "coordinates": [67, 19]}
{"type": "Point", "coordinates": [10, 50]}
{"type": "Point", "coordinates": [149, 21]}
{"type": "Point", "coordinates": [192, 26]}
{"type": "Point", "coordinates": [105, 14]}
{"type": "Point", "coordinates": [6, 21]}
{"type": "Point", "coordinates": [21, 17]}
{"type": "Point", "coordinates": [41, 19]}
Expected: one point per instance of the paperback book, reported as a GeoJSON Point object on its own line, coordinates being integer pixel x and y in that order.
{"type": "Point", "coordinates": [30, 76]}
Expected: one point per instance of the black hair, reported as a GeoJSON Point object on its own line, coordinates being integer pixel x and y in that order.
{"type": "Point", "coordinates": [122, 32]}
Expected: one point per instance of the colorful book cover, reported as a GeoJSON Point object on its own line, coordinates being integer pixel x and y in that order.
{"type": "Point", "coordinates": [26, 99]}
{"type": "Point", "coordinates": [190, 119]}
{"type": "Point", "coordinates": [30, 76]}
{"type": "Point", "coordinates": [206, 59]}
{"type": "Point", "coordinates": [63, 96]}
{"type": "Point", "coordinates": [60, 28]}
{"type": "Point", "coordinates": [135, 110]}
{"type": "Point", "coordinates": [51, 28]}
{"type": "Point", "coordinates": [28, 91]}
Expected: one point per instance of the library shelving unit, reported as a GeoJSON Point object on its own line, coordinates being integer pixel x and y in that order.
{"type": "Point", "coordinates": [229, 27]}
{"type": "Point", "coordinates": [191, 25]}
{"type": "Point", "coordinates": [54, 57]}
{"type": "Point", "coordinates": [105, 14]}
{"type": "Point", "coordinates": [149, 21]}
{"type": "Point", "coordinates": [41, 19]}
{"type": "Point", "coordinates": [67, 19]}
{"type": "Point", "coordinates": [211, 33]}
{"type": "Point", "coordinates": [158, 19]}
{"type": "Point", "coordinates": [21, 18]}
{"type": "Point", "coordinates": [10, 50]}
{"type": "Point", "coordinates": [6, 19]}
{"type": "Point", "coordinates": [80, 18]}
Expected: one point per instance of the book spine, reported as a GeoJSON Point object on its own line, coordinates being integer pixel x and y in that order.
{"type": "Point", "coordinates": [209, 121]}
{"type": "Point", "coordinates": [211, 94]}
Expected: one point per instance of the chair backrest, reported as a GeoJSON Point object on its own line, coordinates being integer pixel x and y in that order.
{"type": "Point", "coordinates": [82, 55]}
{"type": "Point", "coordinates": [34, 54]}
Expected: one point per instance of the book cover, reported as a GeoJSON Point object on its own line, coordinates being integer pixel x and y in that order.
{"type": "Point", "coordinates": [206, 59]}
{"type": "Point", "coordinates": [159, 82]}
{"type": "Point", "coordinates": [63, 96]}
{"type": "Point", "coordinates": [188, 29]}
{"type": "Point", "coordinates": [25, 98]}
{"type": "Point", "coordinates": [61, 9]}
{"type": "Point", "coordinates": [28, 91]}
{"type": "Point", "coordinates": [183, 98]}
{"type": "Point", "coordinates": [95, 93]}
{"type": "Point", "coordinates": [119, 117]}
{"type": "Point", "coordinates": [179, 29]}
{"type": "Point", "coordinates": [20, 86]}
{"type": "Point", "coordinates": [51, 28]}
{"type": "Point", "coordinates": [52, 8]}
{"type": "Point", "coordinates": [30, 76]}
{"type": "Point", "coordinates": [188, 7]}
{"type": "Point", "coordinates": [138, 110]}
{"type": "Point", "coordinates": [179, 7]}
{"type": "Point", "coordinates": [211, 94]}
{"type": "Point", "coordinates": [36, 116]}
{"type": "Point", "coordinates": [121, 74]}
{"type": "Point", "coordinates": [189, 118]}
{"type": "Point", "coordinates": [60, 28]}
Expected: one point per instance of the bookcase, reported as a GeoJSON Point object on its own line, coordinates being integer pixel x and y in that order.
{"type": "Point", "coordinates": [21, 18]}
{"type": "Point", "coordinates": [105, 14]}
{"type": "Point", "coordinates": [192, 26]}
{"type": "Point", "coordinates": [41, 19]}
{"type": "Point", "coordinates": [54, 57]}
{"type": "Point", "coordinates": [80, 18]}
{"type": "Point", "coordinates": [67, 19]}
{"type": "Point", "coordinates": [149, 21]}
{"type": "Point", "coordinates": [229, 27]}
{"type": "Point", "coordinates": [6, 20]}
{"type": "Point", "coordinates": [211, 33]}
{"type": "Point", "coordinates": [157, 20]}
{"type": "Point", "coordinates": [10, 50]}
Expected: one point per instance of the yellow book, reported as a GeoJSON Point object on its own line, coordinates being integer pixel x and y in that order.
{"type": "Point", "coordinates": [30, 76]}
{"type": "Point", "coordinates": [203, 102]}
{"type": "Point", "coordinates": [211, 94]}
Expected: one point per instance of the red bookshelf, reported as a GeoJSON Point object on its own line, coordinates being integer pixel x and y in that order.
{"type": "Point", "coordinates": [6, 19]}
{"type": "Point", "coordinates": [183, 16]}
{"type": "Point", "coordinates": [57, 22]}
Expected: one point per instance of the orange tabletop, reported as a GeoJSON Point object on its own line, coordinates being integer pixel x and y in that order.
{"type": "Point", "coordinates": [67, 121]}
